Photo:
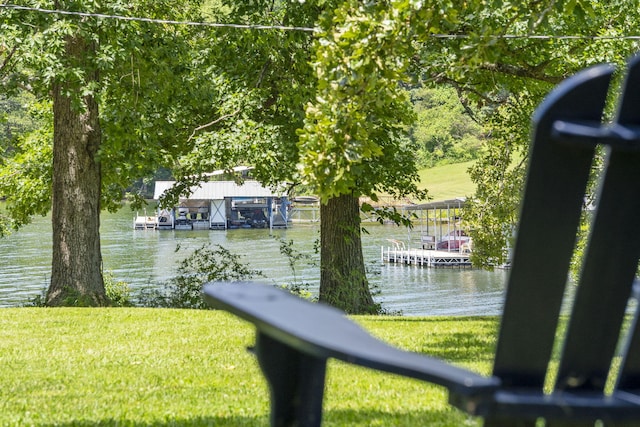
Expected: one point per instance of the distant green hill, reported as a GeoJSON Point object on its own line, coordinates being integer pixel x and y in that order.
{"type": "Point", "coordinates": [447, 182]}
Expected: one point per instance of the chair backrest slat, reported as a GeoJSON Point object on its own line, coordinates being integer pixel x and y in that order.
{"type": "Point", "coordinates": [550, 215]}
{"type": "Point", "coordinates": [610, 260]}
{"type": "Point", "coordinates": [629, 375]}
{"type": "Point", "coordinates": [629, 114]}
{"type": "Point", "coordinates": [607, 275]}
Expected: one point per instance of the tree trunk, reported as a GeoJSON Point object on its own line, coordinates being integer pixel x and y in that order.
{"type": "Point", "coordinates": [76, 276]}
{"type": "Point", "coordinates": [343, 281]}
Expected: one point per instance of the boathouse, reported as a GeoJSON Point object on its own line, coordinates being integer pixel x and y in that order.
{"type": "Point", "coordinates": [223, 205]}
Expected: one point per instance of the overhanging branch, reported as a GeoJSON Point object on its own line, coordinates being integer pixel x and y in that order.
{"type": "Point", "coordinates": [216, 121]}
{"type": "Point", "coordinates": [529, 73]}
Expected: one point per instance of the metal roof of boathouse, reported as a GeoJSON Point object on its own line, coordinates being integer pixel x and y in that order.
{"type": "Point", "coordinates": [217, 190]}
{"type": "Point", "coordinates": [456, 203]}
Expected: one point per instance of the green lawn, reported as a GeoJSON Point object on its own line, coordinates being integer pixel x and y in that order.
{"type": "Point", "coordinates": [158, 367]}
{"type": "Point", "coordinates": [447, 182]}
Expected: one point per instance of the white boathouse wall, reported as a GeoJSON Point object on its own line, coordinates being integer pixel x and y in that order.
{"type": "Point", "coordinates": [218, 190]}
{"type": "Point", "coordinates": [220, 196]}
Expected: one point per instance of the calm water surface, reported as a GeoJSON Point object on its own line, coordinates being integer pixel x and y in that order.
{"type": "Point", "coordinates": [146, 258]}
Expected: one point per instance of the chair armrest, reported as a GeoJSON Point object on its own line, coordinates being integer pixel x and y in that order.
{"type": "Point", "coordinates": [323, 332]}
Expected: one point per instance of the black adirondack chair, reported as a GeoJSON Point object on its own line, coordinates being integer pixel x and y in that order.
{"type": "Point", "coordinates": [295, 337]}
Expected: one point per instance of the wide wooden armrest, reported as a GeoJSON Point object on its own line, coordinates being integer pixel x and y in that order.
{"type": "Point", "coordinates": [325, 332]}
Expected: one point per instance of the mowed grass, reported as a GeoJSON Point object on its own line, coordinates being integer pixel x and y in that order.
{"type": "Point", "coordinates": [448, 181]}
{"type": "Point", "coordinates": [159, 367]}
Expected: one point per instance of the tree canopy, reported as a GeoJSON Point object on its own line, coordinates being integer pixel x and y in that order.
{"type": "Point", "coordinates": [154, 91]}
{"type": "Point", "coordinates": [116, 89]}
{"type": "Point", "coordinates": [506, 68]}
{"type": "Point", "coordinates": [327, 108]}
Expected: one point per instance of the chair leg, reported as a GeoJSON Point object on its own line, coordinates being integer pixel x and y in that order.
{"type": "Point", "coordinates": [296, 382]}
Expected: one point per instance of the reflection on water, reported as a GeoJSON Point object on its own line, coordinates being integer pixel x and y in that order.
{"type": "Point", "coordinates": [430, 291]}
{"type": "Point", "coordinates": [145, 258]}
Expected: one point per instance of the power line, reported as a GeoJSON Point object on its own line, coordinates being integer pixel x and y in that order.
{"type": "Point", "coordinates": [156, 21]}
{"type": "Point", "coordinates": [305, 29]}
{"type": "Point", "coordinates": [536, 37]}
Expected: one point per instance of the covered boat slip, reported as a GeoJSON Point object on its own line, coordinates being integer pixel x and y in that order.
{"type": "Point", "coordinates": [438, 238]}
{"type": "Point", "coordinates": [438, 219]}
{"type": "Point", "coordinates": [223, 205]}
{"type": "Point", "coordinates": [399, 254]}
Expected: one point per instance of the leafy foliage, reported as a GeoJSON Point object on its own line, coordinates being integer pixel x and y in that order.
{"type": "Point", "coordinates": [210, 264]}
{"type": "Point", "coordinates": [118, 292]}
{"type": "Point", "coordinates": [25, 173]}
{"type": "Point", "coordinates": [294, 258]}
{"type": "Point", "coordinates": [492, 213]}
{"type": "Point", "coordinates": [264, 78]}
{"type": "Point", "coordinates": [352, 137]}
{"type": "Point", "coordinates": [508, 77]}
{"type": "Point", "coordinates": [445, 130]}
{"type": "Point", "coordinates": [15, 118]}
{"type": "Point", "coordinates": [326, 110]}
{"type": "Point", "coordinates": [151, 89]}
{"type": "Point", "coordinates": [124, 93]}
{"type": "Point", "coordinates": [203, 265]}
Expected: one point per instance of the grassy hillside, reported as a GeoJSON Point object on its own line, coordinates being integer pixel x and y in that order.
{"type": "Point", "coordinates": [447, 182]}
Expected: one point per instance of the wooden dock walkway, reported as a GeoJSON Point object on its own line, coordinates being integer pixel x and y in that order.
{"type": "Point", "coordinates": [425, 258]}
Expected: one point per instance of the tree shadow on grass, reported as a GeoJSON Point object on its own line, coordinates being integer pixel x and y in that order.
{"type": "Point", "coordinates": [460, 347]}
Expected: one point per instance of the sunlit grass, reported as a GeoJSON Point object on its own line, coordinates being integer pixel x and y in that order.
{"type": "Point", "coordinates": [156, 367]}
{"type": "Point", "coordinates": [448, 181]}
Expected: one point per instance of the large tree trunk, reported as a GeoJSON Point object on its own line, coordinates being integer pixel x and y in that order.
{"type": "Point", "coordinates": [76, 276]}
{"type": "Point", "coordinates": [343, 281]}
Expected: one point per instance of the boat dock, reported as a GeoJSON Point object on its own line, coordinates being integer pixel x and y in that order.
{"type": "Point", "coordinates": [424, 257]}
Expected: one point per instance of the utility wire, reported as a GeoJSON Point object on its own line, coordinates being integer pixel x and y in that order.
{"type": "Point", "coordinates": [536, 37]}
{"type": "Point", "coordinates": [156, 21]}
{"type": "Point", "coordinates": [305, 29]}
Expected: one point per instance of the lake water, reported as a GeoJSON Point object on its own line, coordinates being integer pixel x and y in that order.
{"type": "Point", "coordinates": [147, 257]}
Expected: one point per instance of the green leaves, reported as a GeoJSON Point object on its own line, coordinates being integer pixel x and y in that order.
{"type": "Point", "coordinates": [360, 59]}
{"type": "Point", "coordinates": [446, 131]}
{"type": "Point", "coordinates": [508, 56]}
{"type": "Point", "coordinates": [150, 87]}
{"type": "Point", "coordinates": [25, 174]}
{"type": "Point", "coordinates": [205, 264]}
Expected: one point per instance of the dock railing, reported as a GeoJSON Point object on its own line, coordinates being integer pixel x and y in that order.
{"type": "Point", "coordinates": [398, 253]}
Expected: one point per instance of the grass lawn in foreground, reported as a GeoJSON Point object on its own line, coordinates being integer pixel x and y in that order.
{"type": "Point", "coordinates": [159, 367]}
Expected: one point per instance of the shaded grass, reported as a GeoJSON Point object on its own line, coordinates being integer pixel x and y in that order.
{"type": "Point", "coordinates": [162, 367]}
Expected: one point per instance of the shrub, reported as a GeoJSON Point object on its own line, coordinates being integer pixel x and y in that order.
{"type": "Point", "coordinates": [118, 293]}
{"type": "Point", "coordinates": [205, 264]}
{"type": "Point", "coordinates": [294, 256]}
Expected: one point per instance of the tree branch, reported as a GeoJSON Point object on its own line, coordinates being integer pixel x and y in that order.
{"type": "Point", "coordinates": [6, 60]}
{"type": "Point", "coordinates": [522, 72]}
{"type": "Point", "coordinates": [216, 121]}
